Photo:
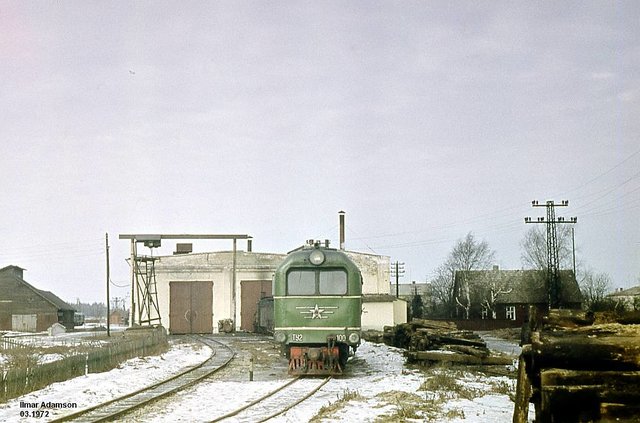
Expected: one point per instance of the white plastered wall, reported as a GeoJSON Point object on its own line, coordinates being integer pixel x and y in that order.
{"type": "Point", "coordinates": [375, 272]}
{"type": "Point", "coordinates": [217, 267]}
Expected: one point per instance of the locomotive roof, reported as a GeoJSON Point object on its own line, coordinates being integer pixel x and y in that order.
{"type": "Point", "coordinates": [300, 256]}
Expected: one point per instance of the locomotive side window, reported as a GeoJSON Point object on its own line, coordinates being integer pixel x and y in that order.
{"type": "Point", "coordinates": [301, 282]}
{"type": "Point", "coordinates": [333, 282]}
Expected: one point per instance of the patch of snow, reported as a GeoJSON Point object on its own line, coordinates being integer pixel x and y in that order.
{"type": "Point", "coordinates": [89, 390]}
{"type": "Point", "coordinates": [504, 346]}
{"type": "Point", "coordinates": [488, 408]}
{"type": "Point", "coordinates": [48, 358]}
{"type": "Point", "coordinates": [377, 374]}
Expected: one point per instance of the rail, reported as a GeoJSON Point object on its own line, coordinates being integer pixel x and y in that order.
{"type": "Point", "coordinates": [290, 402]}
{"type": "Point", "coordinates": [221, 356]}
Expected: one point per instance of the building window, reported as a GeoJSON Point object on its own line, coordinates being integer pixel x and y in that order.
{"type": "Point", "coordinates": [485, 313]}
{"type": "Point", "coordinates": [511, 312]}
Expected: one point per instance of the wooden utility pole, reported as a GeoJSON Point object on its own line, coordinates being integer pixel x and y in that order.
{"type": "Point", "coordinates": [132, 312]}
{"type": "Point", "coordinates": [233, 285]}
{"type": "Point", "coordinates": [573, 251]}
{"type": "Point", "coordinates": [397, 270]}
{"type": "Point", "coordinates": [106, 242]}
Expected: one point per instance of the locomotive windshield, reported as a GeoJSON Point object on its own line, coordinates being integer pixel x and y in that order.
{"type": "Point", "coordinates": [317, 282]}
{"type": "Point", "coordinates": [301, 282]}
{"type": "Point", "coordinates": [333, 282]}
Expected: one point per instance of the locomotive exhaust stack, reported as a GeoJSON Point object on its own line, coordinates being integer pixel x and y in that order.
{"type": "Point", "coordinates": [341, 214]}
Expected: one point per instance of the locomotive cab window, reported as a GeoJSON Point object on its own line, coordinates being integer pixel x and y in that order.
{"type": "Point", "coordinates": [333, 282]}
{"type": "Point", "coordinates": [301, 282]}
{"type": "Point", "coordinates": [317, 282]}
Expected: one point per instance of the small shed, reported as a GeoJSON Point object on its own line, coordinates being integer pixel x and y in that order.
{"type": "Point", "coordinates": [118, 317]}
{"type": "Point", "coordinates": [25, 308]}
{"type": "Point", "coordinates": [380, 310]}
{"type": "Point", "coordinates": [56, 329]}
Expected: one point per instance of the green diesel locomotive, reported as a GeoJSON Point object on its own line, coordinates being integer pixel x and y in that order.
{"type": "Point", "coordinates": [317, 294]}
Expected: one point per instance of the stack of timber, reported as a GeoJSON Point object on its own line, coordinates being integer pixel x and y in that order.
{"type": "Point", "coordinates": [573, 370]}
{"type": "Point", "coordinates": [372, 335]}
{"type": "Point", "coordinates": [428, 341]}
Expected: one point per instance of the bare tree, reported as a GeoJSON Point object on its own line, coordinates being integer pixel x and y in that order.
{"type": "Point", "coordinates": [594, 287]}
{"type": "Point", "coordinates": [442, 290]}
{"type": "Point", "coordinates": [492, 289]}
{"type": "Point", "coordinates": [463, 296]}
{"type": "Point", "coordinates": [468, 254]}
{"type": "Point", "coordinates": [534, 248]}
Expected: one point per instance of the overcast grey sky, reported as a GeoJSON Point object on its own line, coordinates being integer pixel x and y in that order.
{"type": "Point", "coordinates": [422, 120]}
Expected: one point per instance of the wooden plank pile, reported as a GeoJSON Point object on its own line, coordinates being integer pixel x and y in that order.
{"type": "Point", "coordinates": [575, 370]}
{"type": "Point", "coordinates": [428, 341]}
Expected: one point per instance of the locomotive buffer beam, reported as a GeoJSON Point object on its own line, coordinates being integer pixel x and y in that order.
{"type": "Point", "coordinates": [321, 360]}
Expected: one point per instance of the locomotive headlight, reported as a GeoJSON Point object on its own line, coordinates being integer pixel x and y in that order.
{"type": "Point", "coordinates": [316, 257]}
{"type": "Point", "coordinates": [280, 337]}
{"type": "Point", "coordinates": [354, 338]}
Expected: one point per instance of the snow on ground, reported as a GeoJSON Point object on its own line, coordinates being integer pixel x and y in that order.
{"type": "Point", "coordinates": [71, 338]}
{"type": "Point", "coordinates": [501, 345]}
{"type": "Point", "coordinates": [54, 347]}
{"type": "Point", "coordinates": [377, 386]}
{"type": "Point", "coordinates": [388, 391]}
{"type": "Point", "coordinates": [89, 390]}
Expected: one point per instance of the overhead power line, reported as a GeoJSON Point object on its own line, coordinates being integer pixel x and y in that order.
{"type": "Point", "coordinates": [504, 219]}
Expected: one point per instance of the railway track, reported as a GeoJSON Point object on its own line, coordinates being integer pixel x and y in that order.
{"type": "Point", "coordinates": [221, 356]}
{"type": "Point", "coordinates": [282, 399]}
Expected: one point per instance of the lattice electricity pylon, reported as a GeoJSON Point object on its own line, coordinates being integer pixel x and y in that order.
{"type": "Point", "coordinates": [553, 270]}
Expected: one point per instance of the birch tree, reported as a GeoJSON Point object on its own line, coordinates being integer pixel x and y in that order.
{"type": "Point", "coordinates": [466, 254]}
{"type": "Point", "coordinates": [469, 254]}
{"type": "Point", "coordinates": [491, 290]}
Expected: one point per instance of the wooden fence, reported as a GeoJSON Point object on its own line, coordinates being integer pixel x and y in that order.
{"type": "Point", "coordinates": [9, 344]}
{"type": "Point", "coordinates": [18, 381]}
{"type": "Point", "coordinates": [43, 340]}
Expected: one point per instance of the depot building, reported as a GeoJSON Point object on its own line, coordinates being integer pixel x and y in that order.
{"type": "Point", "coordinates": [190, 292]}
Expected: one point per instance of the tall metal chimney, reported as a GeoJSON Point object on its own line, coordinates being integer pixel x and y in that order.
{"type": "Point", "coordinates": [341, 214]}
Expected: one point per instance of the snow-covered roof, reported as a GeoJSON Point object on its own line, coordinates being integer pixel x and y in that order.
{"type": "Point", "coordinates": [631, 292]}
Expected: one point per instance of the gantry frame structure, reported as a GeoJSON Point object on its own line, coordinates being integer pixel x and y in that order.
{"type": "Point", "coordinates": [144, 296]}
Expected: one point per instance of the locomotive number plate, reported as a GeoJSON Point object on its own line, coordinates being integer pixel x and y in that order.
{"type": "Point", "coordinates": [296, 337]}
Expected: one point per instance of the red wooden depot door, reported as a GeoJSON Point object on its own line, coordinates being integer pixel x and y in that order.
{"type": "Point", "coordinates": [250, 294]}
{"type": "Point", "coordinates": [190, 307]}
